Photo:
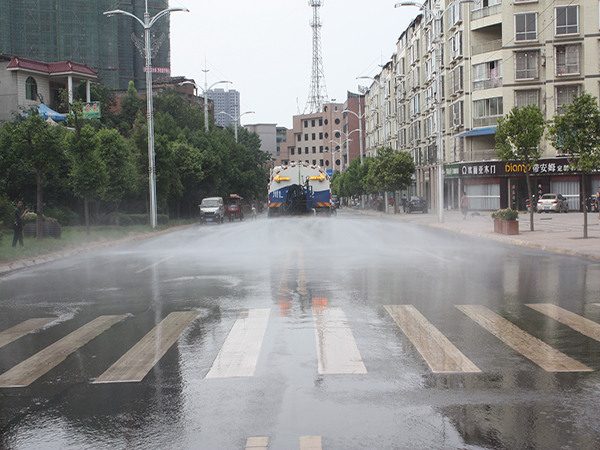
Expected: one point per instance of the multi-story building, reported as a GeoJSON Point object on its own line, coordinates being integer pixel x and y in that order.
{"type": "Point", "coordinates": [454, 78]}
{"type": "Point", "coordinates": [77, 31]}
{"type": "Point", "coordinates": [227, 106]}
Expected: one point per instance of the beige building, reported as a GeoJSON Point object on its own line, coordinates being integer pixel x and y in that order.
{"type": "Point", "coordinates": [493, 56]}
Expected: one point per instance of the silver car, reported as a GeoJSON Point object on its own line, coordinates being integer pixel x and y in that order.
{"type": "Point", "coordinates": [552, 202]}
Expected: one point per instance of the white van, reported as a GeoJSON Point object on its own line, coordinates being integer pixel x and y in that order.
{"type": "Point", "coordinates": [212, 209]}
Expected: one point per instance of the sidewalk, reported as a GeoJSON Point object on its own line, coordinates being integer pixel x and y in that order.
{"type": "Point", "coordinates": [559, 233]}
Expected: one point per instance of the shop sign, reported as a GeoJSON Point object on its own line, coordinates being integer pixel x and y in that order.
{"type": "Point", "coordinates": [501, 168]}
{"type": "Point", "coordinates": [452, 171]}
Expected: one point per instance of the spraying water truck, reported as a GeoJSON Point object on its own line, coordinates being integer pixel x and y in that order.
{"type": "Point", "coordinates": [299, 190]}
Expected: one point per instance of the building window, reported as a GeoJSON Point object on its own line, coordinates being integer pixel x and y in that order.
{"type": "Point", "coordinates": [487, 75]}
{"type": "Point", "coordinates": [314, 149]}
{"type": "Point", "coordinates": [321, 149]}
{"type": "Point", "coordinates": [321, 163]}
{"type": "Point", "coordinates": [320, 122]}
{"type": "Point", "coordinates": [321, 135]}
{"type": "Point", "coordinates": [306, 124]}
{"type": "Point", "coordinates": [292, 151]}
{"type": "Point", "coordinates": [313, 122]}
{"type": "Point", "coordinates": [527, 97]}
{"type": "Point", "coordinates": [567, 60]}
{"type": "Point", "coordinates": [299, 137]}
{"type": "Point", "coordinates": [31, 89]}
{"type": "Point", "coordinates": [314, 162]}
{"type": "Point", "coordinates": [567, 21]}
{"type": "Point", "coordinates": [486, 112]}
{"type": "Point", "coordinates": [314, 136]}
{"type": "Point", "coordinates": [306, 151]}
{"type": "Point", "coordinates": [564, 96]}
{"type": "Point", "coordinates": [526, 65]}
{"type": "Point", "coordinates": [457, 114]}
{"type": "Point", "coordinates": [525, 27]}
{"type": "Point", "coordinates": [306, 137]}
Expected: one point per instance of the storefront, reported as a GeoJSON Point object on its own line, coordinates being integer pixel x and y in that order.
{"type": "Point", "coordinates": [492, 185]}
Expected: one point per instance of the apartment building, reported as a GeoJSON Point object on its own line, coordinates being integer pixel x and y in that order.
{"type": "Point", "coordinates": [330, 138]}
{"type": "Point", "coordinates": [451, 79]}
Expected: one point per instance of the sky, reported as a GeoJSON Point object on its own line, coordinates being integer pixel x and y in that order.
{"type": "Point", "coordinates": [265, 48]}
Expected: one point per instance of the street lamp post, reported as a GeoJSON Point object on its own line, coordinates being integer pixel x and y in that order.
{"type": "Point", "coordinates": [205, 90]}
{"type": "Point", "coordinates": [236, 120]}
{"type": "Point", "coordinates": [149, 52]}
{"type": "Point", "coordinates": [437, 16]}
{"type": "Point", "coordinates": [360, 133]}
{"type": "Point", "coordinates": [333, 152]}
{"type": "Point", "coordinates": [347, 136]}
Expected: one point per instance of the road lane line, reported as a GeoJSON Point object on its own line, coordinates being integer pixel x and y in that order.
{"type": "Point", "coordinates": [337, 352]}
{"type": "Point", "coordinates": [283, 285]}
{"type": "Point", "coordinates": [42, 362]}
{"type": "Point", "coordinates": [441, 354]}
{"type": "Point", "coordinates": [548, 358]}
{"type": "Point", "coordinates": [581, 324]}
{"type": "Point", "coordinates": [301, 274]}
{"type": "Point", "coordinates": [240, 351]}
{"type": "Point", "coordinates": [134, 365]}
{"type": "Point", "coordinates": [433, 255]}
{"type": "Point", "coordinates": [20, 330]}
{"type": "Point", "coordinates": [155, 264]}
{"type": "Point", "coordinates": [310, 443]}
{"type": "Point", "coordinates": [257, 442]}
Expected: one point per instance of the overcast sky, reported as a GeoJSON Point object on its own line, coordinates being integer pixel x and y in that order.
{"type": "Point", "coordinates": [265, 48]}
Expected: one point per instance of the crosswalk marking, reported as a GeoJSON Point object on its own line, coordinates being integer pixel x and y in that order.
{"type": "Point", "coordinates": [441, 355]}
{"type": "Point", "coordinates": [310, 443]}
{"type": "Point", "coordinates": [20, 330]}
{"type": "Point", "coordinates": [134, 365]}
{"type": "Point", "coordinates": [337, 352]}
{"type": "Point", "coordinates": [239, 354]}
{"type": "Point", "coordinates": [31, 369]}
{"type": "Point", "coordinates": [257, 443]}
{"type": "Point", "coordinates": [155, 264]}
{"type": "Point", "coordinates": [548, 358]}
{"type": "Point", "coordinates": [584, 326]}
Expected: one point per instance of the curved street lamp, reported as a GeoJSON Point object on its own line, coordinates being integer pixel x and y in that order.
{"type": "Point", "coordinates": [236, 121]}
{"type": "Point", "coordinates": [360, 133]}
{"type": "Point", "coordinates": [149, 50]}
{"type": "Point", "coordinates": [205, 90]}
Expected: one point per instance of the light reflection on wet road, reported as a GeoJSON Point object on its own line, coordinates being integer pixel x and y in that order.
{"type": "Point", "coordinates": [326, 290]}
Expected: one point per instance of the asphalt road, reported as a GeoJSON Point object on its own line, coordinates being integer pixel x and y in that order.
{"type": "Point", "coordinates": [349, 333]}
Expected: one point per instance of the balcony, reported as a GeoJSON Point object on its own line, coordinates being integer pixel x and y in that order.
{"type": "Point", "coordinates": [486, 12]}
{"type": "Point", "coordinates": [488, 83]}
{"type": "Point", "coordinates": [478, 155]}
{"type": "Point", "coordinates": [488, 121]}
{"type": "Point", "coordinates": [489, 46]}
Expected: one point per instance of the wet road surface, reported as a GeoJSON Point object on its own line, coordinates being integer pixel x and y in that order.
{"type": "Point", "coordinates": [349, 333]}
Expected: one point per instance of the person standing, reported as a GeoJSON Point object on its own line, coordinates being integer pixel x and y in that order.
{"type": "Point", "coordinates": [464, 205]}
{"type": "Point", "coordinates": [254, 209]}
{"type": "Point", "coordinates": [18, 224]}
{"type": "Point", "coordinates": [404, 203]}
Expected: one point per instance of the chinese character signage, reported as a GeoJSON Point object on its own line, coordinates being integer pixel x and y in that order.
{"type": "Point", "coordinates": [91, 110]}
{"type": "Point", "coordinates": [500, 168]}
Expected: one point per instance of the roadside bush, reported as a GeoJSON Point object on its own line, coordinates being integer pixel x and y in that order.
{"type": "Point", "coordinates": [139, 219]}
{"type": "Point", "coordinates": [111, 219]}
{"type": "Point", "coordinates": [32, 217]}
{"type": "Point", "coordinates": [65, 216]}
{"type": "Point", "coordinates": [505, 214]}
{"type": "Point", "coordinates": [7, 210]}
{"type": "Point", "coordinates": [162, 219]}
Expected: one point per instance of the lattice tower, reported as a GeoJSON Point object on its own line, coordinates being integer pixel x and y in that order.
{"type": "Point", "coordinates": [318, 91]}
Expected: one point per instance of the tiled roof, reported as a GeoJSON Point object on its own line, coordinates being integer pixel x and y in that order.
{"type": "Point", "coordinates": [51, 68]}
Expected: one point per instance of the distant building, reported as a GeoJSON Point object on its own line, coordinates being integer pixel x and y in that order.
{"type": "Point", "coordinates": [25, 82]}
{"type": "Point", "coordinates": [77, 31]}
{"type": "Point", "coordinates": [227, 102]}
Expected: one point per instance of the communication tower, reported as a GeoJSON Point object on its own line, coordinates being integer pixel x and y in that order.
{"type": "Point", "coordinates": [318, 91]}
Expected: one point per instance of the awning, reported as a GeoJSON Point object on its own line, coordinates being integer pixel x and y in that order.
{"type": "Point", "coordinates": [46, 113]}
{"type": "Point", "coordinates": [478, 132]}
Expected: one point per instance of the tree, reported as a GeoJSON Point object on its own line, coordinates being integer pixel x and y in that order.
{"type": "Point", "coordinates": [518, 137]}
{"type": "Point", "coordinates": [120, 169]}
{"type": "Point", "coordinates": [391, 170]}
{"type": "Point", "coordinates": [38, 145]}
{"type": "Point", "coordinates": [577, 133]}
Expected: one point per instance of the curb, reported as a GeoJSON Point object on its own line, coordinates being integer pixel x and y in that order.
{"type": "Point", "coordinates": [532, 245]}
{"type": "Point", "coordinates": [8, 268]}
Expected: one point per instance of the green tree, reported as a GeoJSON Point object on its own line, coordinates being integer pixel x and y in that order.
{"type": "Point", "coordinates": [38, 145]}
{"type": "Point", "coordinates": [120, 167]}
{"type": "Point", "coordinates": [577, 133]}
{"type": "Point", "coordinates": [132, 105]}
{"type": "Point", "coordinates": [391, 170]}
{"type": "Point", "coordinates": [518, 137]}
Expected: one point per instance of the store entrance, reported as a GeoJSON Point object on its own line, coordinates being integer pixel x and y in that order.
{"type": "Point", "coordinates": [518, 193]}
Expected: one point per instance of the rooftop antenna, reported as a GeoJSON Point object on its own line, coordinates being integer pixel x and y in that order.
{"type": "Point", "coordinates": [318, 92]}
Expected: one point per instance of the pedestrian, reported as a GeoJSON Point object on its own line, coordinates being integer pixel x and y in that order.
{"type": "Point", "coordinates": [253, 209]}
{"type": "Point", "coordinates": [18, 224]}
{"type": "Point", "coordinates": [403, 203]}
{"type": "Point", "coordinates": [464, 205]}
{"type": "Point", "coordinates": [597, 202]}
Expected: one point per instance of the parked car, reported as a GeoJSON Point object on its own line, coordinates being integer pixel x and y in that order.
{"type": "Point", "coordinates": [552, 202]}
{"type": "Point", "coordinates": [212, 209]}
{"type": "Point", "coordinates": [416, 204]}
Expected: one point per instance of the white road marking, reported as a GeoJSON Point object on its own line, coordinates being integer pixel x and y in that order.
{"type": "Point", "coordinates": [441, 355]}
{"type": "Point", "coordinates": [337, 352]}
{"type": "Point", "coordinates": [584, 326]}
{"type": "Point", "coordinates": [310, 443]}
{"type": "Point", "coordinates": [20, 330]}
{"type": "Point", "coordinates": [155, 264]}
{"type": "Point", "coordinates": [548, 358]}
{"type": "Point", "coordinates": [134, 365]}
{"type": "Point", "coordinates": [256, 443]}
{"type": "Point", "coordinates": [42, 362]}
{"type": "Point", "coordinates": [239, 354]}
